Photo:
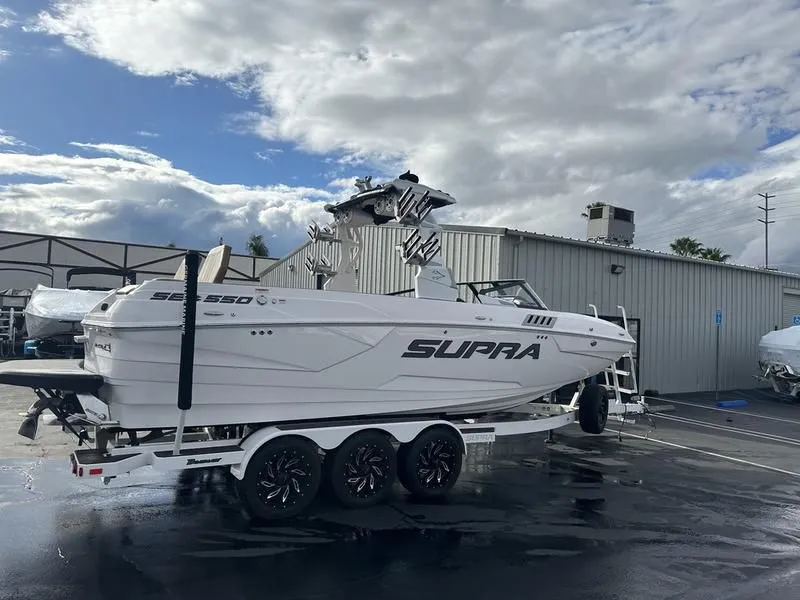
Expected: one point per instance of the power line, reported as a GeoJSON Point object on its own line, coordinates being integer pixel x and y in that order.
{"type": "Point", "coordinates": [735, 214]}
{"type": "Point", "coordinates": [718, 224]}
{"type": "Point", "coordinates": [766, 223]}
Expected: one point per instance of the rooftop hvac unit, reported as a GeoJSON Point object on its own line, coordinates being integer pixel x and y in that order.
{"type": "Point", "coordinates": [610, 224]}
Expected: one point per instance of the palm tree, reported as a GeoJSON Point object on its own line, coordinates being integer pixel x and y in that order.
{"type": "Point", "coordinates": [716, 254]}
{"type": "Point", "coordinates": [255, 245]}
{"type": "Point", "coordinates": [686, 246]}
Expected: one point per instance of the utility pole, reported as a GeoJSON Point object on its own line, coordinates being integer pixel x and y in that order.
{"type": "Point", "coordinates": [766, 223]}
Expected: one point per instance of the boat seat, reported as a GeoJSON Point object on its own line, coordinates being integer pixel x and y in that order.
{"type": "Point", "coordinates": [212, 269]}
{"type": "Point", "coordinates": [180, 274]}
{"type": "Point", "coordinates": [215, 266]}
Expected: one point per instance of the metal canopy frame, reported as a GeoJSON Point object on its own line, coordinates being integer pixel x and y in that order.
{"type": "Point", "coordinates": [51, 274]}
{"type": "Point", "coordinates": [126, 265]}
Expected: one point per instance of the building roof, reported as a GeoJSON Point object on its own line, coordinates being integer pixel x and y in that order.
{"type": "Point", "coordinates": [505, 231]}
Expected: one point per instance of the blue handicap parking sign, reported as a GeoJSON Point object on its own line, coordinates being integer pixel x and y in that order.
{"type": "Point", "coordinates": [796, 320]}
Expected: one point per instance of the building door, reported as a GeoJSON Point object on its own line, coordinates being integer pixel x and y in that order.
{"type": "Point", "coordinates": [791, 308]}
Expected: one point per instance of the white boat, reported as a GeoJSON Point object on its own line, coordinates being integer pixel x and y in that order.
{"type": "Point", "coordinates": [779, 359]}
{"type": "Point", "coordinates": [267, 355]}
{"type": "Point", "coordinates": [52, 312]}
{"type": "Point", "coordinates": [266, 381]}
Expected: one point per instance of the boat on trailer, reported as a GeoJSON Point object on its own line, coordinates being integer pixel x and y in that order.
{"type": "Point", "coordinates": [779, 360]}
{"type": "Point", "coordinates": [290, 386]}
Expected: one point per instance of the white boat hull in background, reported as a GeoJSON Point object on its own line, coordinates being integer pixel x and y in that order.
{"type": "Point", "coordinates": [273, 355]}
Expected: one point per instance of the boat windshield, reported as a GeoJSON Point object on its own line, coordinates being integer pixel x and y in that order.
{"type": "Point", "coordinates": [512, 292]}
{"type": "Point", "coordinates": [516, 292]}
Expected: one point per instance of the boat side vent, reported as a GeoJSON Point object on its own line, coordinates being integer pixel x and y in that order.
{"type": "Point", "coordinates": [539, 321]}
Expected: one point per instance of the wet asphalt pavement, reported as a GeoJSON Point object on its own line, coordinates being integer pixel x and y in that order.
{"type": "Point", "coordinates": [588, 517]}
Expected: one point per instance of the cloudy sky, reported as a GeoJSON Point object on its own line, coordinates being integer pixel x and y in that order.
{"type": "Point", "coordinates": [183, 120]}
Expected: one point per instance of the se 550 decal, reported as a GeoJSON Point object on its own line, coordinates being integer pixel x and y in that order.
{"type": "Point", "coordinates": [440, 349]}
{"type": "Point", "coordinates": [210, 298]}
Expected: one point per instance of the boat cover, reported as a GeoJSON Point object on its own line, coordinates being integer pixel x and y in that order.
{"type": "Point", "coordinates": [56, 311]}
{"type": "Point", "coordinates": [781, 347]}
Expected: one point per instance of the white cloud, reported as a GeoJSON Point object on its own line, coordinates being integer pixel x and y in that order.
{"type": "Point", "coordinates": [525, 111]}
{"type": "Point", "coordinates": [133, 195]}
{"type": "Point", "coordinates": [6, 17]}
{"type": "Point", "coordinates": [9, 140]}
{"type": "Point", "coordinates": [267, 154]}
{"type": "Point", "coordinates": [145, 133]}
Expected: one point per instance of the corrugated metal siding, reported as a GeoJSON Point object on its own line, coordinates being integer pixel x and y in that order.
{"type": "Point", "coordinates": [675, 301]}
{"type": "Point", "coordinates": [471, 256]}
{"type": "Point", "coordinates": [791, 307]}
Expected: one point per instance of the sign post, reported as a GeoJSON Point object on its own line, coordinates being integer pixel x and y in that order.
{"type": "Point", "coordinates": [718, 324]}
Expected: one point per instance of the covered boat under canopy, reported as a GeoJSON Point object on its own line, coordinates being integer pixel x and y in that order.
{"type": "Point", "coordinates": [55, 311]}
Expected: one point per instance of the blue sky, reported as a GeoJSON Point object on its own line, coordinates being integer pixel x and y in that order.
{"type": "Point", "coordinates": [63, 95]}
{"type": "Point", "coordinates": [525, 116]}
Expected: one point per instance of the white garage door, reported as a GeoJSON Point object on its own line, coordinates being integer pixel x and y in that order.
{"type": "Point", "coordinates": [791, 307]}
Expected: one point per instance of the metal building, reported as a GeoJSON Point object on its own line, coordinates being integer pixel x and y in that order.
{"type": "Point", "coordinates": [671, 301]}
{"type": "Point", "coordinates": [29, 259]}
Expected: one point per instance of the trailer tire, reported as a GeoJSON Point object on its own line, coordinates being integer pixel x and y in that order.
{"type": "Point", "coordinates": [282, 478]}
{"type": "Point", "coordinates": [429, 466]}
{"type": "Point", "coordinates": [593, 409]}
{"type": "Point", "coordinates": [363, 469]}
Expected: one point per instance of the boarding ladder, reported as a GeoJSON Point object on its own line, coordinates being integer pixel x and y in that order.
{"type": "Point", "coordinates": [8, 332]}
{"type": "Point", "coordinates": [611, 377]}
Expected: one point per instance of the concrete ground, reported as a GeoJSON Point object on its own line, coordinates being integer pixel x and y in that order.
{"type": "Point", "coordinates": [704, 506]}
{"type": "Point", "coordinates": [51, 442]}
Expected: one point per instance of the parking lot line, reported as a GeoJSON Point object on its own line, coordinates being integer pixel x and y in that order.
{"type": "Point", "coordinates": [714, 454]}
{"type": "Point", "coordinates": [727, 410]}
{"type": "Point", "coordinates": [759, 434]}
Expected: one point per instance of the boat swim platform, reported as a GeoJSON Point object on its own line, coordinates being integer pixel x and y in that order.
{"type": "Point", "coordinates": [51, 374]}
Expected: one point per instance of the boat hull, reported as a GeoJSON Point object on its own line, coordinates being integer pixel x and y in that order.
{"type": "Point", "coordinates": [364, 355]}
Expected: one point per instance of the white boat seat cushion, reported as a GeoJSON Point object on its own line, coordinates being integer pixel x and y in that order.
{"type": "Point", "coordinates": [215, 266]}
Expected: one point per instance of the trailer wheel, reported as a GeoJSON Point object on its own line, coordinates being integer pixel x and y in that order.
{"type": "Point", "coordinates": [429, 466]}
{"type": "Point", "coordinates": [282, 478]}
{"type": "Point", "coordinates": [593, 408]}
{"type": "Point", "coordinates": [363, 469]}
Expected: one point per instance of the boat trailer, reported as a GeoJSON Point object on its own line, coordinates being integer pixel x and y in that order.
{"type": "Point", "coordinates": [279, 467]}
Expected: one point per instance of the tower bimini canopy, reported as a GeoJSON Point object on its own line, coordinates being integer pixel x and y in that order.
{"type": "Point", "coordinates": [405, 201]}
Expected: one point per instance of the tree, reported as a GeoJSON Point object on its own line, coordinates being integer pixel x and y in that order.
{"type": "Point", "coordinates": [686, 246]}
{"type": "Point", "coordinates": [170, 244]}
{"type": "Point", "coordinates": [255, 245]}
{"type": "Point", "coordinates": [716, 254]}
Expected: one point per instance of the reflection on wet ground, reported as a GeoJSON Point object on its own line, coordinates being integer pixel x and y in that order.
{"type": "Point", "coordinates": [586, 517]}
